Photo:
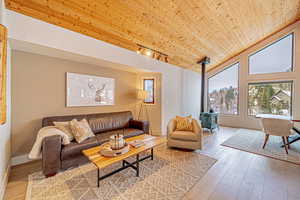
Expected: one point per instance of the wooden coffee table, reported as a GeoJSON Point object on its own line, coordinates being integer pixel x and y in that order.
{"type": "Point", "coordinates": [101, 162]}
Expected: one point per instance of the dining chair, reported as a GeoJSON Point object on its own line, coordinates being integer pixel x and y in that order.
{"type": "Point", "coordinates": [277, 127]}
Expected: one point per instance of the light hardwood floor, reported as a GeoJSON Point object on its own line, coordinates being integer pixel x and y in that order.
{"type": "Point", "coordinates": [237, 175]}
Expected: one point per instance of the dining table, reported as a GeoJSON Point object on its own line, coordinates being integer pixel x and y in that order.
{"type": "Point", "coordinates": [292, 138]}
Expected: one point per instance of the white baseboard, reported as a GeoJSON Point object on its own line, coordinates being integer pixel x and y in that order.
{"type": "Point", "coordinates": [4, 182]}
{"type": "Point", "coordinates": [17, 160]}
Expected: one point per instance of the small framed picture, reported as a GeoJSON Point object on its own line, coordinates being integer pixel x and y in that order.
{"type": "Point", "coordinates": [149, 85]}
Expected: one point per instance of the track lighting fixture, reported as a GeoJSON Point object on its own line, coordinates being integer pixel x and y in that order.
{"type": "Point", "coordinates": [158, 57]}
{"type": "Point", "coordinates": [139, 50]}
{"type": "Point", "coordinates": [148, 52]}
{"type": "Point", "coordinates": [166, 59]}
{"type": "Point", "coordinates": [152, 53]}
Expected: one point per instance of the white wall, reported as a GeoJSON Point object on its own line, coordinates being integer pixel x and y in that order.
{"type": "Point", "coordinates": [5, 130]}
{"type": "Point", "coordinates": [243, 120]}
{"type": "Point", "coordinates": [191, 92]}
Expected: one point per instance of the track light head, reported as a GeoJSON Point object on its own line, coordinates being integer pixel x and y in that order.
{"type": "Point", "coordinates": [166, 59]}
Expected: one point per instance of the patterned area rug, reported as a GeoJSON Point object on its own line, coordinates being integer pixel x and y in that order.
{"type": "Point", "coordinates": [252, 141]}
{"type": "Point", "coordinates": [169, 176]}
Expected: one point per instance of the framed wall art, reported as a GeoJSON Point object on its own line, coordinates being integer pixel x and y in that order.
{"type": "Point", "coordinates": [88, 90]}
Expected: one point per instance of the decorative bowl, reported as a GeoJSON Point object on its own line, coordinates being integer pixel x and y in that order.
{"type": "Point", "coordinates": [116, 142]}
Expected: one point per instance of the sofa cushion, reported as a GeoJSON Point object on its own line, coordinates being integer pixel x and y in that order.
{"type": "Point", "coordinates": [74, 149]}
{"type": "Point", "coordinates": [130, 132]}
{"type": "Point", "coordinates": [104, 137]}
{"type": "Point", "coordinates": [184, 135]}
{"type": "Point", "coordinates": [127, 132]}
{"type": "Point", "coordinates": [111, 122]}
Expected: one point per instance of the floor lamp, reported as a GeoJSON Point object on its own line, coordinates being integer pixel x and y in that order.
{"type": "Point", "coordinates": [142, 96]}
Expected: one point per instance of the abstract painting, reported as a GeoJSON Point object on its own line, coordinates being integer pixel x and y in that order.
{"type": "Point", "coordinates": [88, 90]}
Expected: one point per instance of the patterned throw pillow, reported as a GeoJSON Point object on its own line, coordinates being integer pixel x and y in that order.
{"type": "Point", "coordinates": [65, 127]}
{"type": "Point", "coordinates": [81, 130]}
{"type": "Point", "coordinates": [184, 123]}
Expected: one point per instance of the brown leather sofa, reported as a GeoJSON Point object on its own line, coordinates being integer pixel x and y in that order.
{"type": "Point", "coordinates": [60, 157]}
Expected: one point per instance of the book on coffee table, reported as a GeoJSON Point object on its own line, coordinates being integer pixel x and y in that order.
{"type": "Point", "coordinates": [141, 142]}
{"type": "Point", "coordinates": [136, 143]}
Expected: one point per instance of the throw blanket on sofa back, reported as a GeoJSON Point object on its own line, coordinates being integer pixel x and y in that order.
{"type": "Point", "coordinates": [44, 132]}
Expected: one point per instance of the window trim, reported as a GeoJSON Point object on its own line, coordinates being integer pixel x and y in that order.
{"type": "Point", "coordinates": [271, 82]}
{"type": "Point", "coordinates": [153, 90]}
{"type": "Point", "coordinates": [270, 44]}
{"type": "Point", "coordinates": [238, 88]}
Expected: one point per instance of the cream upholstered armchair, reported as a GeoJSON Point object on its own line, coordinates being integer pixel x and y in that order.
{"type": "Point", "coordinates": [185, 139]}
{"type": "Point", "coordinates": [277, 127]}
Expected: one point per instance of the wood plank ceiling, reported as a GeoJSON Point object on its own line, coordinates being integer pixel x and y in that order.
{"type": "Point", "coordinates": [186, 30]}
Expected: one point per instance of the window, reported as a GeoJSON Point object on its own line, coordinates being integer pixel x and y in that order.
{"type": "Point", "coordinates": [270, 98]}
{"type": "Point", "coordinates": [277, 57]}
{"type": "Point", "coordinates": [148, 85]}
{"type": "Point", "coordinates": [223, 91]}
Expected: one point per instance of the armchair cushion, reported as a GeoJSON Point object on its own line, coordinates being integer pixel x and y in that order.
{"type": "Point", "coordinates": [184, 135]}
{"type": "Point", "coordinates": [184, 123]}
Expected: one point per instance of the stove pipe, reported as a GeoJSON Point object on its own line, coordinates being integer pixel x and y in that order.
{"type": "Point", "coordinates": [203, 62]}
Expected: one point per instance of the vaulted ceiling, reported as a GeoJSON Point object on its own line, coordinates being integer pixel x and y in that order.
{"type": "Point", "coordinates": [186, 30]}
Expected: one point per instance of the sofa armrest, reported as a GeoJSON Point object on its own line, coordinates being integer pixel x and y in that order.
{"type": "Point", "coordinates": [51, 151]}
{"type": "Point", "coordinates": [139, 124]}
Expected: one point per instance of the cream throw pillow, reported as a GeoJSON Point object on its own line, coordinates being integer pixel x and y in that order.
{"type": "Point", "coordinates": [81, 130]}
{"type": "Point", "coordinates": [65, 127]}
{"type": "Point", "coordinates": [184, 123]}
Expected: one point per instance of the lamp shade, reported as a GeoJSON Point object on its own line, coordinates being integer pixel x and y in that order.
{"type": "Point", "coordinates": [142, 94]}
